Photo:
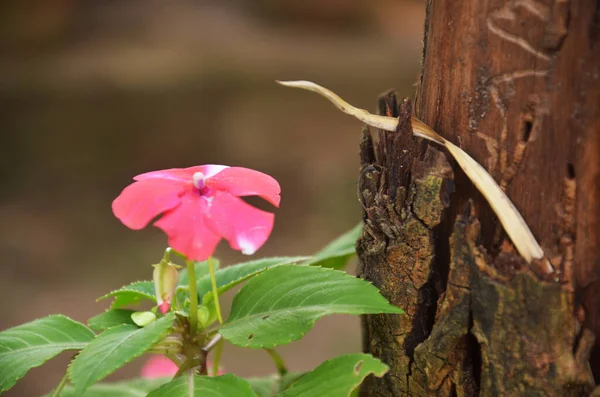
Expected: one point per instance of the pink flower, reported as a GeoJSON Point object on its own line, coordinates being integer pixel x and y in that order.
{"type": "Point", "coordinates": [199, 206]}
{"type": "Point", "coordinates": [160, 367]}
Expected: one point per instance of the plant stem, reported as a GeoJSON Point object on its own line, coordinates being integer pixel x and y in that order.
{"type": "Point", "coordinates": [278, 361]}
{"type": "Point", "coordinates": [175, 359]}
{"type": "Point", "coordinates": [173, 349]}
{"type": "Point", "coordinates": [215, 291]}
{"type": "Point", "coordinates": [170, 251]}
{"type": "Point", "coordinates": [190, 382]}
{"type": "Point", "coordinates": [203, 368]}
{"type": "Point", "coordinates": [61, 385]}
{"type": "Point", "coordinates": [217, 358]}
{"type": "Point", "coordinates": [212, 343]}
{"type": "Point", "coordinates": [193, 319]}
{"type": "Point", "coordinates": [188, 365]}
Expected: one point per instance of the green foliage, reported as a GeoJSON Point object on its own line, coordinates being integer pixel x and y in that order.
{"type": "Point", "coordinates": [336, 377]}
{"type": "Point", "coordinates": [200, 268]}
{"type": "Point", "coordinates": [32, 344]}
{"type": "Point", "coordinates": [231, 276]}
{"type": "Point", "coordinates": [337, 253]}
{"type": "Point", "coordinates": [269, 386]}
{"type": "Point", "coordinates": [220, 386]}
{"type": "Point", "coordinates": [282, 304]}
{"type": "Point", "coordinates": [110, 318]}
{"type": "Point", "coordinates": [131, 294]}
{"type": "Point", "coordinates": [282, 299]}
{"type": "Point", "coordinates": [114, 348]}
{"type": "Point", "coordinates": [129, 388]}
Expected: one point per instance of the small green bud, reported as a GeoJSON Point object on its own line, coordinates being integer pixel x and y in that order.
{"type": "Point", "coordinates": [141, 319]}
{"type": "Point", "coordinates": [210, 316]}
{"type": "Point", "coordinates": [204, 316]}
{"type": "Point", "coordinates": [165, 278]}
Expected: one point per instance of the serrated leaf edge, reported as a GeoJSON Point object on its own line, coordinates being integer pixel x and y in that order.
{"type": "Point", "coordinates": [110, 371]}
{"type": "Point", "coordinates": [126, 289]}
{"type": "Point", "coordinates": [14, 381]}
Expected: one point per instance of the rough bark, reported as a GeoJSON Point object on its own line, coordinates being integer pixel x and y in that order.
{"type": "Point", "coordinates": [517, 85]}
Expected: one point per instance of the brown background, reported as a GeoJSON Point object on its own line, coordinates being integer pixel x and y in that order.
{"type": "Point", "coordinates": [95, 92]}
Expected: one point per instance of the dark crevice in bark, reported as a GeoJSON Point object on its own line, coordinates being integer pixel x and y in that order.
{"type": "Point", "coordinates": [367, 150]}
{"type": "Point", "coordinates": [453, 391]}
{"type": "Point", "coordinates": [595, 358]}
{"type": "Point", "coordinates": [578, 340]}
{"type": "Point", "coordinates": [526, 130]}
{"type": "Point", "coordinates": [570, 171]}
{"type": "Point", "coordinates": [595, 363]}
{"type": "Point", "coordinates": [423, 320]}
{"type": "Point", "coordinates": [594, 29]}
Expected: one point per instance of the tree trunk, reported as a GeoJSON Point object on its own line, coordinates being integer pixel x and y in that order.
{"type": "Point", "coordinates": [516, 84]}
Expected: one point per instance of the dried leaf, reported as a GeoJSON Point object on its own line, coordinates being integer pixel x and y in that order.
{"type": "Point", "coordinates": [509, 216]}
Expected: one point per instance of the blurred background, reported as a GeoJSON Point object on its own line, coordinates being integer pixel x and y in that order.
{"type": "Point", "coordinates": [94, 92]}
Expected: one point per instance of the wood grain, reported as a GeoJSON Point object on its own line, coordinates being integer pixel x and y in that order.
{"type": "Point", "coordinates": [516, 84]}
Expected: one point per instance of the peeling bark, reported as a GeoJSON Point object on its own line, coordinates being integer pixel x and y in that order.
{"type": "Point", "coordinates": [474, 324]}
{"type": "Point", "coordinates": [516, 84]}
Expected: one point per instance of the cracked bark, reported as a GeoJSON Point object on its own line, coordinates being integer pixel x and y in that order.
{"type": "Point", "coordinates": [517, 85]}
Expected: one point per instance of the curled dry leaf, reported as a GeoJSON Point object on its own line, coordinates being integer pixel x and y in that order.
{"type": "Point", "coordinates": [509, 216]}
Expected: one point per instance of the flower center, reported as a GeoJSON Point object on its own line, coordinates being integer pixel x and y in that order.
{"type": "Point", "coordinates": [199, 181]}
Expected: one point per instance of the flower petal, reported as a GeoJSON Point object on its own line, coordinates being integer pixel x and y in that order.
{"type": "Point", "coordinates": [182, 174]}
{"type": "Point", "coordinates": [143, 201]}
{"type": "Point", "coordinates": [158, 367]}
{"type": "Point", "coordinates": [187, 230]}
{"type": "Point", "coordinates": [240, 181]}
{"type": "Point", "coordinates": [245, 227]}
{"type": "Point", "coordinates": [213, 169]}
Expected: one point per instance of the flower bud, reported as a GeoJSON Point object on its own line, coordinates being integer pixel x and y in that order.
{"type": "Point", "coordinates": [141, 319]}
{"type": "Point", "coordinates": [165, 278]}
{"type": "Point", "coordinates": [206, 315]}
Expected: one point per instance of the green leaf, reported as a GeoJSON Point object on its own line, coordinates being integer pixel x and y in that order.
{"type": "Point", "coordinates": [131, 294]}
{"type": "Point", "coordinates": [282, 304]}
{"type": "Point", "coordinates": [265, 387]}
{"type": "Point", "coordinates": [111, 318]}
{"type": "Point", "coordinates": [269, 386]}
{"type": "Point", "coordinates": [337, 253]}
{"type": "Point", "coordinates": [128, 388]}
{"type": "Point", "coordinates": [336, 377]}
{"type": "Point", "coordinates": [30, 345]}
{"type": "Point", "coordinates": [205, 386]}
{"type": "Point", "coordinates": [114, 348]}
{"type": "Point", "coordinates": [231, 276]}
